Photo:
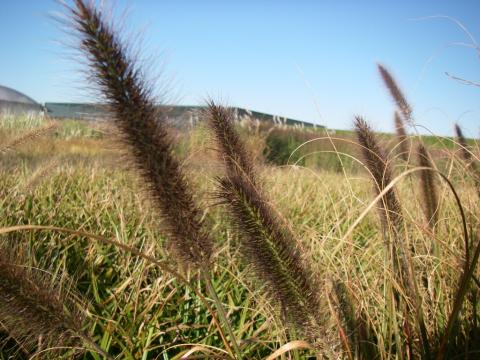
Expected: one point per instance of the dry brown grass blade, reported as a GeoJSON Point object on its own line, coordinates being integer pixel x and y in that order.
{"type": "Point", "coordinates": [28, 137]}
{"type": "Point", "coordinates": [292, 345]}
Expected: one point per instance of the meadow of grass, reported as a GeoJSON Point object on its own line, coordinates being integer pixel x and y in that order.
{"type": "Point", "coordinates": [140, 311]}
{"type": "Point", "coordinates": [132, 240]}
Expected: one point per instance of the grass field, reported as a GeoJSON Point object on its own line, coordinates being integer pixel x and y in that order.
{"type": "Point", "coordinates": [73, 177]}
{"type": "Point", "coordinates": [128, 239]}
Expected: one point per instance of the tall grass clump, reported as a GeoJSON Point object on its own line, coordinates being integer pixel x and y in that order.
{"type": "Point", "coordinates": [143, 129]}
{"type": "Point", "coordinates": [309, 148]}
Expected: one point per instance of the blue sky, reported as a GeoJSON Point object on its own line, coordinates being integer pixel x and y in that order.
{"type": "Point", "coordinates": [310, 60]}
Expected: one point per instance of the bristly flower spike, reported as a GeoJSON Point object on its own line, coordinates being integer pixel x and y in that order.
{"type": "Point", "coordinates": [143, 128]}
{"type": "Point", "coordinates": [402, 137]}
{"type": "Point", "coordinates": [266, 242]}
{"type": "Point", "coordinates": [396, 93]}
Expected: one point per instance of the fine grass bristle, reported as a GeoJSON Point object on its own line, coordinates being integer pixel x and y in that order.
{"type": "Point", "coordinates": [428, 186]}
{"type": "Point", "coordinates": [402, 137]}
{"type": "Point", "coordinates": [143, 129]}
{"type": "Point", "coordinates": [38, 311]}
{"type": "Point", "coordinates": [395, 92]}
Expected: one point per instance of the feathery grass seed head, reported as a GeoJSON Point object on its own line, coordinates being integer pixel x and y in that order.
{"type": "Point", "coordinates": [231, 147]}
{"type": "Point", "coordinates": [276, 257]}
{"type": "Point", "coordinates": [428, 186]}
{"type": "Point", "coordinates": [35, 309]}
{"type": "Point", "coordinates": [402, 137]}
{"type": "Point", "coordinates": [462, 141]}
{"type": "Point", "coordinates": [142, 125]}
{"type": "Point", "coordinates": [377, 163]}
{"type": "Point", "coordinates": [395, 92]}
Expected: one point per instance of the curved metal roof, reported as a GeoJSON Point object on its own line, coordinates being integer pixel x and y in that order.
{"type": "Point", "coordinates": [8, 94]}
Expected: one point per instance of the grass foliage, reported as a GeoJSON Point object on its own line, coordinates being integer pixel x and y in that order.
{"type": "Point", "coordinates": [131, 240]}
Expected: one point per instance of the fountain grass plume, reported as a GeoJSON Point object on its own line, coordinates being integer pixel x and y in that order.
{"type": "Point", "coordinates": [236, 158]}
{"type": "Point", "coordinates": [428, 186]}
{"type": "Point", "coordinates": [402, 137]}
{"type": "Point", "coordinates": [462, 141]}
{"type": "Point", "coordinates": [377, 163]}
{"type": "Point", "coordinates": [268, 245]}
{"type": "Point", "coordinates": [38, 311]}
{"type": "Point", "coordinates": [392, 221]}
{"type": "Point", "coordinates": [143, 129]}
{"type": "Point", "coordinates": [467, 157]}
{"type": "Point", "coordinates": [266, 241]}
{"type": "Point", "coordinates": [27, 137]}
{"type": "Point", "coordinates": [395, 92]}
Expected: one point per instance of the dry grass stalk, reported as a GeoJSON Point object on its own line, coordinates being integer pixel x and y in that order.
{"type": "Point", "coordinates": [402, 137]}
{"type": "Point", "coordinates": [27, 137]}
{"type": "Point", "coordinates": [144, 131]}
{"type": "Point", "coordinates": [37, 311]}
{"type": "Point", "coordinates": [428, 187]}
{"type": "Point", "coordinates": [40, 174]}
{"type": "Point", "coordinates": [267, 243]}
{"type": "Point", "coordinates": [396, 93]}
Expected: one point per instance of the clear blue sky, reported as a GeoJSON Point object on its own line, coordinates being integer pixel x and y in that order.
{"type": "Point", "coordinates": [309, 60]}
